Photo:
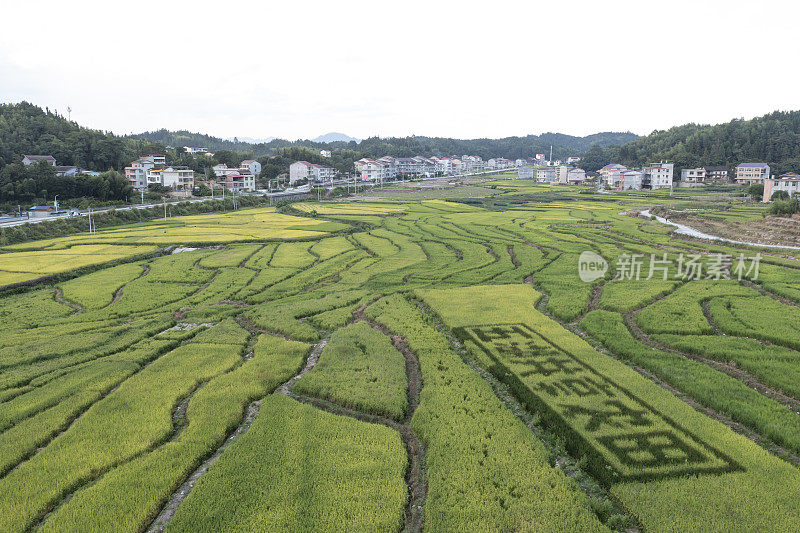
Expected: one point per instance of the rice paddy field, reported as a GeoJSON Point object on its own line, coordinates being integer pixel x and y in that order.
{"type": "Point", "coordinates": [517, 358]}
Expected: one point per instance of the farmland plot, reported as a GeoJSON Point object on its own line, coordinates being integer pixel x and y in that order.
{"type": "Point", "coordinates": [437, 366]}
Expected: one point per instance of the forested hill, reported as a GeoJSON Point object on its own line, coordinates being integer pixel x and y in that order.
{"type": "Point", "coordinates": [509, 147]}
{"type": "Point", "coordinates": [773, 138]}
{"type": "Point", "coordinates": [29, 129]}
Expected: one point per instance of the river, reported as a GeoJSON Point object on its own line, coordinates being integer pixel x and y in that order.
{"type": "Point", "coordinates": [683, 229]}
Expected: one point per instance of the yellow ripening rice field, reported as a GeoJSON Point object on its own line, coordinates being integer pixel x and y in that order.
{"type": "Point", "coordinates": [247, 225]}
{"type": "Point", "coordinates": [351, 208]}
{"type": "Point", "coordinates": [16, 267]}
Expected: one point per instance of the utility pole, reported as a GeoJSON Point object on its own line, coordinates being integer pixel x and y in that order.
{"type": "Point", "coordinates": [165, 208]}
{"type": "Point", "coordinates": [69, 113]}
{"type": "Point", "coordinates": [142, 191]}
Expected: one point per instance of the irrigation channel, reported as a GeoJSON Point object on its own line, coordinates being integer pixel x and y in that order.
{"type": "Point", "coordinates": [689, 231]}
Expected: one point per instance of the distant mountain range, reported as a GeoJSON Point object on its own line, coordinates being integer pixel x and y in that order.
{"type": "Point", "coordinates": [334, 137]}
{"type": "Point", "coordinates": [773, 138]}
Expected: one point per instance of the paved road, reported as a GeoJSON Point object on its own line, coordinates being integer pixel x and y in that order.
{"type": "Point", "coordinates": [8, 222]}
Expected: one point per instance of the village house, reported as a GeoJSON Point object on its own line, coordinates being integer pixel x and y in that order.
{"type": "Point", "coordinates": [252, 166]}
{"type": "Point", "coordinates": [693, 175]}
{"type": "Point", "coordinates": [303, 170]}
{"type": "Point", "coordinates": [750, 173]}
{"type": "Point", "coordinates": [526, 172]}
{"type": "Point", "coordinates": [788, 182]}
{"type": "Point", "coordinates": [716, 173]}
{"type": "Point", "coordinates": [658, 175]}
{"type": "Point", "coordinates": [29, 160]}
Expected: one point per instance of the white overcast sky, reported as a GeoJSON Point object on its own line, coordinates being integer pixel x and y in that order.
{"type": "Point", "coordinates": [297, 69]}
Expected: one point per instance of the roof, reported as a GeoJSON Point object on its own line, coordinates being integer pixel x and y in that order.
{"type": "Point", "coordinates": [42, 208]}
{"type": "Point", "coordinates": [40, 157]}
{"type": "Point", "coordinates": [716, 169]}
{"type": "Point", "coordinates": [248, 161]}
{"type": "Point", "coordinates": [756, 165]}
{"type": "Point", "coordinates": [789, 176]}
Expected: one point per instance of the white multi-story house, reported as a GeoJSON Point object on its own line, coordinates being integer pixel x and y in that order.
{"type": "Point", "coordinates": [658, 175]}
{"type": "Point", "coordinates": [520, 163]}
{"type": "Point", "coordinates": [136, 173]}
{"type": "Point", "coordinates": [473, 163]}
{"type": "Point", "coordinates": [749, 173]}
{"type": "Point", "coordinates": [693, 174]}
{"type": "Point", "coordinates": [195, 150]}
{"type": "Point", "coordinates": [545, 174]}
{"type": "Point", "coordinates": [562, 173]}
{"type": "Point", "coordinates": [610, 174]}
{"type": "Point", "coordinates": [443, 165]}
{"type": "Point", "coordinates": [178, 177]}
{"type": "Point", "coordinates": [788, 182]}
{"type": "Point", "coordinates": [576, 175]}
{"type": "Point", "coordinates": [312, 172]}
{"type": "Point", "coordinates": [573, 159]}
{"type": "Point", "coordinates": [526, 172]}
{"type": "Point", "coordinates": [498, 163]}
{"type": "Point", "coordinates": [252, 166]}
{"type": "Point", "coordinates": [631, 180]}
{"type": "Point", "coordinates": [223, 170]}
{"type": "Point", "coordinates": [389, 165]}
{"type": "Point", "coordinates": [243, 181]}
{"type": "Point", "coordinates": [325, 153]}
{"type": "Point", "coordinates": [373, 171]}
{"type": "Point", "coordinates": [300, 170]}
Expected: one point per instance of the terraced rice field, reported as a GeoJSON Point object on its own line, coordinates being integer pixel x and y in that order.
{"type": "Point", "coordinates": [401, 365]}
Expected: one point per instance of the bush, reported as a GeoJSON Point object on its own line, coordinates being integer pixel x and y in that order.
{"type": "Point", "coordinates": [784, 207]}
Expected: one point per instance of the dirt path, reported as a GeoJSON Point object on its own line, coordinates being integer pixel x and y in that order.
{"type": "Point", "coordinates": [416, 478]}
{"type": "Point", "coordinates": [161, 521]}
{"type": "Point", "coordinates": [58, 294]}
{"type": "Point", "coordinates": [118, 294]}
{"type": "Point", "coordinates": [730, 369]}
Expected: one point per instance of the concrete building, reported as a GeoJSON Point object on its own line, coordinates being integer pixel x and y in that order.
{"type": "Point", "coordinates": [472, 163]}
{"type": "Point", "coordinates": [41, 211]}
{"type": "Point", "coordinates": [573, 159]}
{"type": "Point", "coordinates": [788, 182]}
{"type": "Point", "coordinates": [195, 150]}
{"type": "Point", "coordinates": [222, 169]}
{"type": "Point", "coordinates": [693, 175]}
{"type": "Point", "coordinates": [631, 180]}
{"type": "Point", "coordinates": [178, 177]}
{"type": "Point", "coordinates": [749, 173]}
{"type": "Point", "coordinates": [545, 174]}
{"type": "Point", "coordinates": [526, 172]}
{"type": "Point", "coordinates": [610, 175]}
{"type": "Point", "coordinates": [498, 163]}
{"type": "Point", "coordinates": [658, 175]}
{"type": "Point", "coordinates": [136, 172]}
{"type": "Point", "coordinates": [716, 173]}
{"type": "Point", "coordinates": [237, 182]}
{"type": "Point", "coordinates": [252, 166]}
{"type": "Point", "coordinates": [576, 175]}
{"type": "Point", "coordinates": [303, 170]}
{"type": "Point", "coordinates": [66, 170]}
{"type": "Point", "coordinates": [325, 153]}
{"type": "Point", "coordinates": [29, 160]}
